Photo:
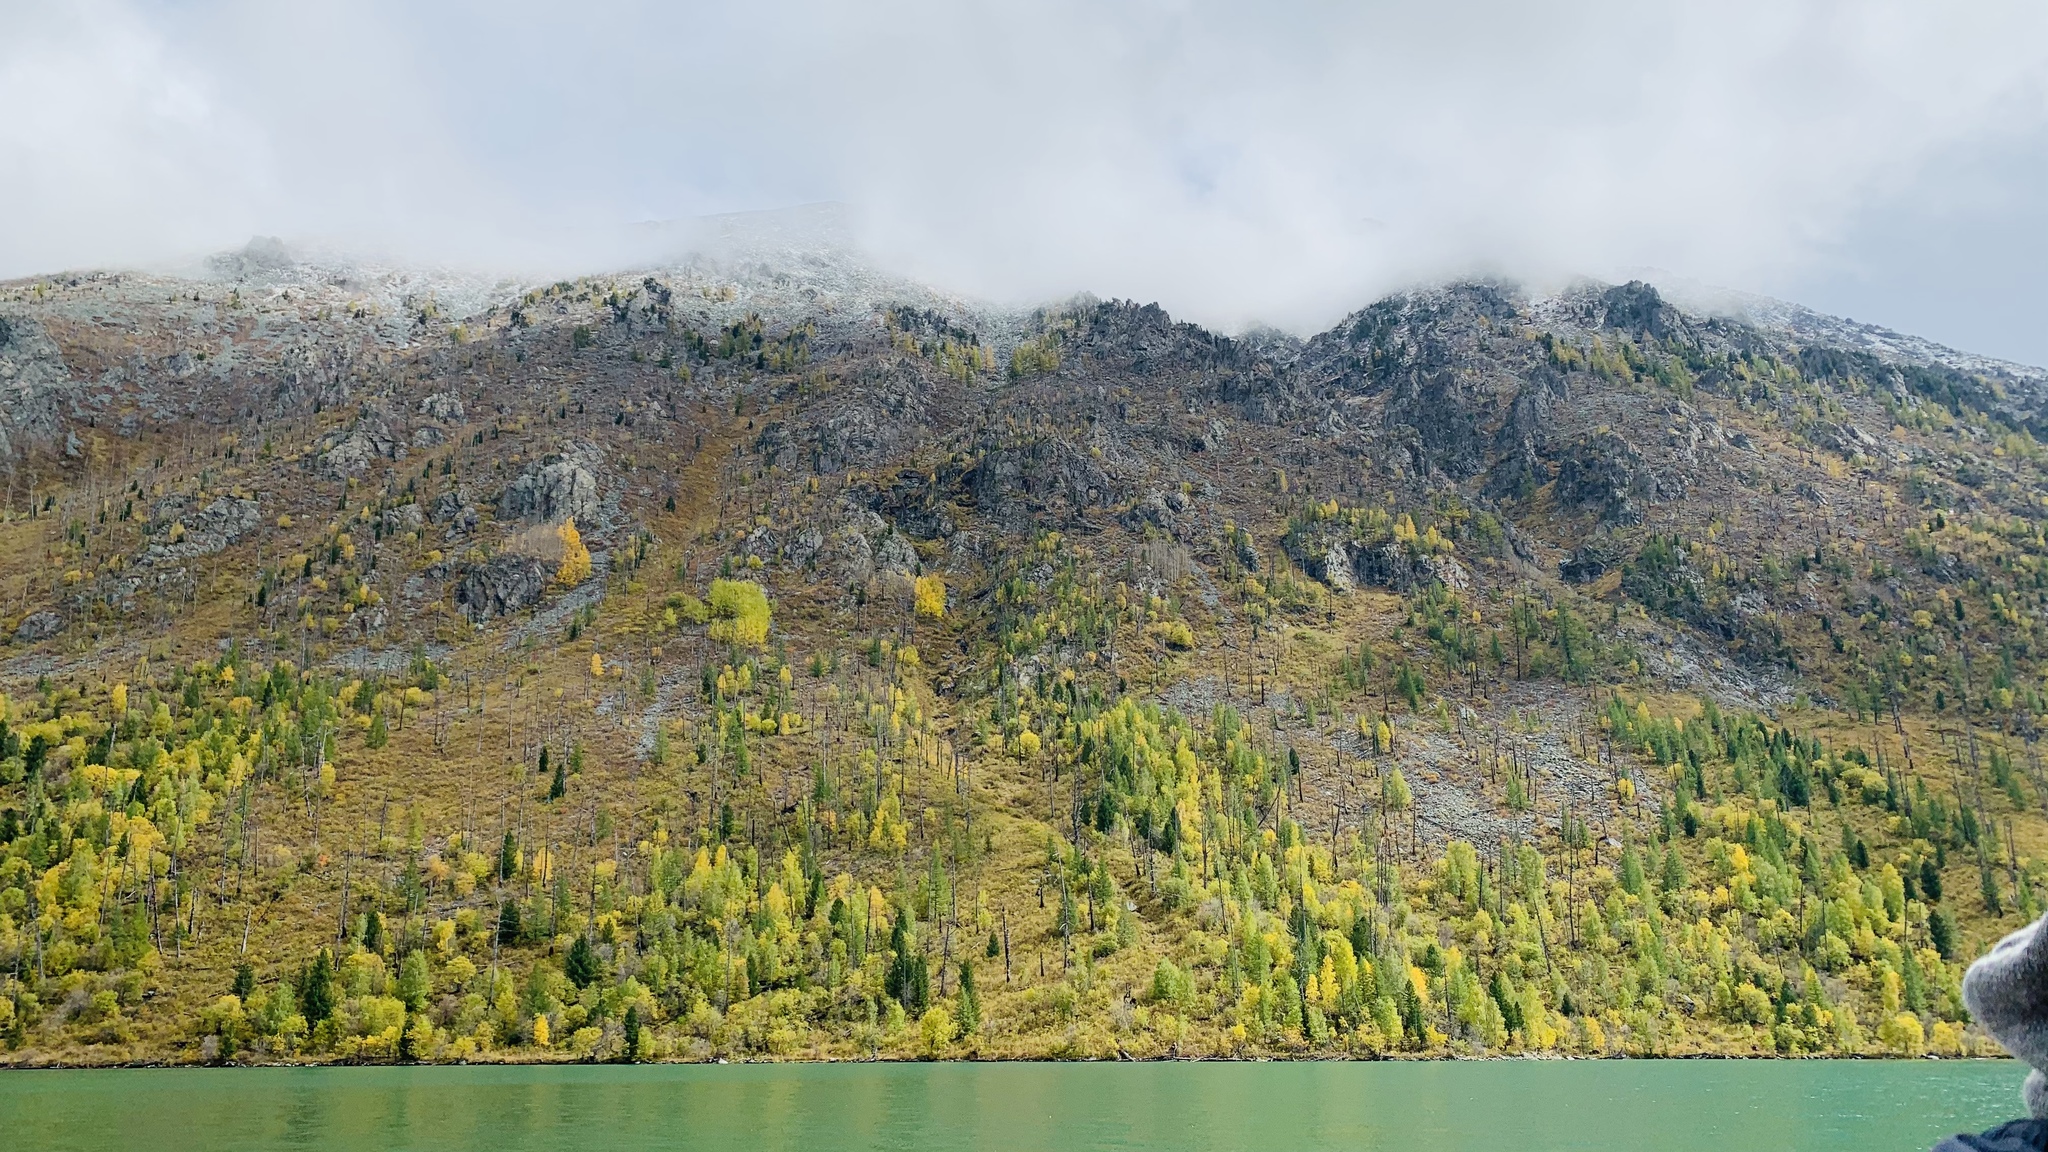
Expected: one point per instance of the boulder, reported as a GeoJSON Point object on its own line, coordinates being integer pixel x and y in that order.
{"type": "Point", "coordinates": [1592, 559]}
{"type": "Point", "coordinates": [1152, 511]}
{"type": "Point", "coordinates": [851, 557]}
{"type": "Point", "coordinates": [804, 547]}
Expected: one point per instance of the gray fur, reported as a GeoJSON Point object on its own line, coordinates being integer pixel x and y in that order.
{"type": "Point", "coordinates": [2007, 992]}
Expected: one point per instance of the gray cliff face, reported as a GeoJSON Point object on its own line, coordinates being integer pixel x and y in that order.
{"type": "Point", "coordinates": [559, 487]}
{"type": "Point", "coordinates": [37, 388]}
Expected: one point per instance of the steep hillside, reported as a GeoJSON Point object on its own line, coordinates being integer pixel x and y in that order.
{"type": "Point", "coordinates": [766, 658]}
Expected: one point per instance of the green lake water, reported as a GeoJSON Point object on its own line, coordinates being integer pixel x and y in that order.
{"type": "Point", "coordinates": [1500, 1106]}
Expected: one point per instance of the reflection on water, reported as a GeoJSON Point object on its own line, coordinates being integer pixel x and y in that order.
{"type": "Point", "coordinates": [1811, 1106]}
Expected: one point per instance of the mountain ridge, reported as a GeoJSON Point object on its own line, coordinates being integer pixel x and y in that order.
{"type": "Point", "coordinates": [727, 655]}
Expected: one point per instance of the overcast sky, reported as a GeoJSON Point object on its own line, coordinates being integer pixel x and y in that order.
{"type": "Point", "coordinates": [1277, 162]}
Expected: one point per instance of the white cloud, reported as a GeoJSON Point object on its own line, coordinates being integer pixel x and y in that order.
{"type": "Point", "coordinates": [1234, 161]}
{"type": "Point", "coordinates": [111, 147]}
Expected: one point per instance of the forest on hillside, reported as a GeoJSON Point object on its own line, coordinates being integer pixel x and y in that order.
{"type": "Point", "coordinates": [634, 671]}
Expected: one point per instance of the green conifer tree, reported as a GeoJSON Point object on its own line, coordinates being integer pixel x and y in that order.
{"type": "Point", "coordinates": [581, 966]}
{"type": "Point", "coordinates": [970, 1001]}
{"type": "Point", "coordinates": [508, 923]}
{"type": "Point", "coordinates": [908, 979]}
{"type": "Point", "coordinates": [316, 988]}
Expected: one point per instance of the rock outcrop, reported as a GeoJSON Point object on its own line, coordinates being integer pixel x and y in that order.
{"type": "Point", "coordinates": [506, 583]}
{"type": "Point", "coordinates": [556, 488]}
{"type": "Point", "coordinates": [203, 532]}
{"type": "Point", "coordinates": [38, 626]}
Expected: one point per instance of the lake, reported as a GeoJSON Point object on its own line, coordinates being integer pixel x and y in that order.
{"type": "Point", "coordinates": [1495, 1106]}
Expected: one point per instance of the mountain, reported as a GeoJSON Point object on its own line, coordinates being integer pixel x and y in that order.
{"type": "Point", "coordinates": [738, 658]}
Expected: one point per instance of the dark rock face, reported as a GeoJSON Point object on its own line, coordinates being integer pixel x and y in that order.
{"type": "Point", "coordinates": [773, 441]}
{"type": "Point", "coordinates": [454, 509]}
{"type": "Point", "coordinates": [1123, 340]}
{"type": "Point", "coordinates": [1591, 560]}
{"type": "Point", "coordinates": [1609, 475]}
{"type": "Point", "coordinates": [847, 438]}
{"type": "Point", "coordinates": [556, 488]}
{"type": "Point", "coordinates": [1637, 309]}
{"type": "Point", "coordinates": [1420, 354]}
{"type": "Point", "coordinates": [881, 410]}
{"type": "Point", "coordinates": [1519, 468]}
{"type": "Point", "coordinates": [38, 626]}
{"type": "Point", "coordinates": [504, 584]}
{"type": "Point", "coordinates": [1392, 566]}
{"type": "Point", "coordinates": [916, 504]}
{"type": "Point", "coordinates": [1247, 554]}
{"type": "Point", "coordinates": [1042, 481]}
